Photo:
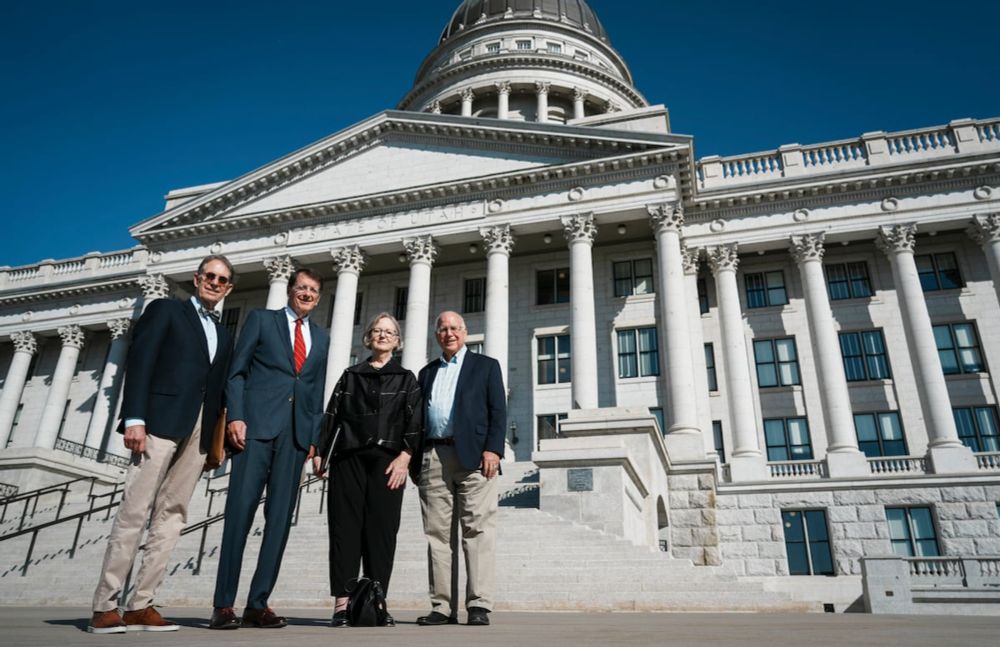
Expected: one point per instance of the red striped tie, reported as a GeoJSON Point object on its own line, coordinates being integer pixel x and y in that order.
{"type": "Point", "coordinates": [300, 347]}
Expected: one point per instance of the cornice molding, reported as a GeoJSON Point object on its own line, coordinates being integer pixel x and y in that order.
{"type": "Point", "coordinates": [63, 292]}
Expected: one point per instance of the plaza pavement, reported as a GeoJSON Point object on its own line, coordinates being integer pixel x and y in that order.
{"type": "Point", "coordinates": [66, 627]}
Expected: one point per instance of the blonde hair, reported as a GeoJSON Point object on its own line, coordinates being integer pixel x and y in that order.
{"type": "Point", "coordinates": [367, 338]}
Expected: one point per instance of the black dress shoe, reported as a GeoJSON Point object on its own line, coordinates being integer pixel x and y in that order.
{"type": "Point", "coordinates": [224, 618]}
{"type": "Point", "coordinates": [478, 617]}
{"type": "Point", "coordinates": [339, 619]}
{"type": "Point", "coordinates": [263, 619]}
{"type": "Point", "coordinates": [434, 619]}
{"type": "Point", "coordinates": [389, 621]}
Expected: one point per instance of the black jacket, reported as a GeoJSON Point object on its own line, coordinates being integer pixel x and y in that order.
{"type": "Point", "coordinates": [370, 407]}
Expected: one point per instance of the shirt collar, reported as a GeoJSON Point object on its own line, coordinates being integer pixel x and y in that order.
{"type": "Point", "coordinates": [201, 310]}
{"type": "Point", "coordinates": [457, 358]}
{"type": "Point", "coordinates": [292, 316]}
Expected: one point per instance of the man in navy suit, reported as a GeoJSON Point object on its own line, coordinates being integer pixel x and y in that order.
{"type": "Point", "coordinates": [275, 400]}
{"type": "Point", "coordinates": [174, 381]}
{"type": "Point", "coordinates": [464, 440]}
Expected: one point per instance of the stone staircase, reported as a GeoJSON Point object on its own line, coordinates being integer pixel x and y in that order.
{"type": "Point", "coordinates": [543, 563]}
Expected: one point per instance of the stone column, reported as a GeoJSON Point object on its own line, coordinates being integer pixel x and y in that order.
{"type": "Point", "coordinates": [500, 243]}
{"type": "Point", "coordinates": [683, 436]}
{"type": "Point", "coordinates": [25, 346]}
{"type": "Point", "coordinates": [55, 405]}
{"type": "Point", "coordinates": [985, 230]}
{"type": "Point", "coordinates": [579, 96]}
{"type": "Point", "coordinates": [154, 286]}
{"type": "Point", "coordinates": [106, 399]}
{"type": "Point", "coordinates": [421, 251]}
{"type": "Point", "coordinates": [945, 450]}
{"type": "Point", "coordinates": [542, 93]}
{"type": "Point", "coordinates": [746, 462]}
{"type": "Point", "coordinates": [279, 270]}
{"type": "Point", "coordinates": [580, 233]}
{"type": "Point", "coordinates": [503, 99]}
{"type": "Point", "coordinates": [467, 96]}
{"type": "Point", "coordinates": [348, 261]}
{"type": "Point", "coordinates": [703, 408]}
{"type": "Point", "coordinates": [843, 457]}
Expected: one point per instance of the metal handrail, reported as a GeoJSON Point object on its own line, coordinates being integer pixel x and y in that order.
{"type": "Point", "coordinates": [33, 496]}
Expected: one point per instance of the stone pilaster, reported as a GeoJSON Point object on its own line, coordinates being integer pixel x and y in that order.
{"type": "Point", "coordinates": [580, 232]}
{"type": "Point", "coordinates": [691, 259]}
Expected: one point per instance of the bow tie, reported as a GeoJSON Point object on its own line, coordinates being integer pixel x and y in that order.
{"type": "Point", "coordinates": [211, 314]}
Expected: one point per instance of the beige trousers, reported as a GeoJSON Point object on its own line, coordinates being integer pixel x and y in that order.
{"type": "Point", "coordinates": [446, 489]}
{"type": "Point", "coordinates": [163, 480]}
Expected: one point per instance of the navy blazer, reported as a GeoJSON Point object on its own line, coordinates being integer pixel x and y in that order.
{"type": "Point", "coordinates": [479, 416]}
{"type": "Point", "coordinates": [263, 390]}
{"type": "Point", "coordinates": [169, 377]}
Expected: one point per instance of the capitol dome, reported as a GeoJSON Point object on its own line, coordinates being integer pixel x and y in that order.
{"type": "Point", "coordinates": [527, 60]}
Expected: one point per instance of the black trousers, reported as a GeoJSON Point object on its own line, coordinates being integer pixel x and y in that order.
{"type": "Point", "coordinates": [363, 515]}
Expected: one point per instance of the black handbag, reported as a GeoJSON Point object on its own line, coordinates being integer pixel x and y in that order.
{"type": "Point", "coordinates": [366, 603]}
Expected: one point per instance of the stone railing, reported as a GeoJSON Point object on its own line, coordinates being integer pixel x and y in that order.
{"type": "Point", "coordinates": [93, 265]}
{"type": "Point", "coordinates": [988, 460]}
{"type": "Point", "coordinates": [7, 490]}
{"type": "Point", "coordinates": [890, 582]}
{"type": "Point", "coordinates": [898, 465]}
{"type": "Point", "coordinates": [797, 469]}
{"type": "Point", "coordinates": [91, 453]}
{"type": "Point", "coordinates": [870, 150]}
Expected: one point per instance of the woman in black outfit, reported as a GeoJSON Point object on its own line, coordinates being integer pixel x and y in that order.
{"type": "Point", "coordinates": [371, 429]}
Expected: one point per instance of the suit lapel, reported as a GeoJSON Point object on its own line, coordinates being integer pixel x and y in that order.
{"type": "Point", "coordinates": [192, 317]}
{"type": "Point", "coordinates": [222, 335]}
{"type": "Point", "coordinates": [463, 375]}
{"type": "Point", "coordinates": [281, 323]}
{"type": "Point", "coordinates": [315, 349]}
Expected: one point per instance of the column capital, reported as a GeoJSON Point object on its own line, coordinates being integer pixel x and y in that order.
{"type": "Point", "coordinates": [279, 268]}
{"type": "Point", "coordinates": [579, 228]}
{"type": "Point", "coordinates": [542, 87]}
{"type": "Point", "coordinates": [985, 228]}
{"type": "Point", "coordinates": [72, 335]}
{"type": "Point", "coordinates": [420, 249]}
{"type": "Point", "coordinates": [24, 342]}
{"type": "Point", "coordinates": [348, 259]}
{"type": "Point", "coordinates": [435, 107]}
{"type": "Point", "coordinates": [467, 94]}
{"type": "Point", "coordinates": [723, 257]}
{"type": "Point", "coordinates": [664, 217]}
{"type": "Point", "coordinates": [498, 239]}
{"type": "Point", "coordinates": [154, 286]}
{"type": "Point", "coordinates": [807, 247]}
{"type": "Point", "coordinates": [579, 94]}
{"type": "Point", "coordinates": [691, 258]}
{"type": "Point", "coordinates": [896, 239]}
{"type": "Point", "coordinates": [613, 107]}
{"type": "Point", "coordinates": [503, 87]}
{"type": "Point", "coordinates": [119, 327]}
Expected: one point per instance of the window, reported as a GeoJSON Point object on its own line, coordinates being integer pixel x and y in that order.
{"type": "Point", "coordinates": [938, 271]}
{"type": "Point", "coordinates": [553, 359]}
{"type": "Point", "coordinates": [633, 277]}
{"type": "Point", "coordinates": [230, 319]}
{"type": "Point", "coordinates": [657, 412]}
{"type": "Point", "coordinates": [702, 296]}
{"type": "Point", "coordinates": [553, 48]}
{"type": "Point", "coordinates": [977, 428]}
{"type": "Point", "coordinates": [493, 48]}
{"type": "Point", "coordinates": [475, 347]}
{"type": "Point", "coordinates": [581, 55]}
{"type": "Point", "coordinates": [765, 289]}
{"type": "Point", "coordinates": [880, 434]}
{"type": "Point", "coordinates": [547, 426]}
{"type": "Point", "coordinates": [720, 445]}
{"type": "Point", "coordinates": [358, 302]}
{"type": "Point", "coordinates": [475, 295]}
{"type": "Point", "coordinates": [465, 54]}
{"type": "Point", "coordinates": [958, 348]}
{"type": "Point", "coordinates": [807, 542]}
{"type": "Point", "coordinates": [777, 362]}
{"type": "Point", "coordinates": [638, 355]}
{"type": "Point", "coordinates": [522, 44]}
{"type": "Point", "coordinates": [848, 281]}
{"type": "Point", "coordinates": [713, 382]}
{"type": "Point", "coordinates": [552, 286]}
{"type": "Point", "coordinates": [911, 531]}
{"type": "Point", "coordinates": [788, 439]}
{"type": "Point", "coordinates": [399, 303]}
{"type": "Point", "coordinates": [864, 356]}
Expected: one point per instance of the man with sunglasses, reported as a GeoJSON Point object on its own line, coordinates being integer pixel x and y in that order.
{"type": "Point", "coordinates": [275, 400]}
{"type": "Point", "coordinates": [174, 381]}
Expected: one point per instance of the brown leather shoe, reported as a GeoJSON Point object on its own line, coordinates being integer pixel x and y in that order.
{"type": "Point", "coordinates": [106, 622]}
{"type": "Point", "coordinates": [224, 618]}
{"type": "Point", "coordinates": [148, 619]}
{"type": "Point", "coordinates": [263, 619]}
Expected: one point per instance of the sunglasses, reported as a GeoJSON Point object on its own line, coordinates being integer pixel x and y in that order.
{"type": "Point", "coordinates": [221, 279]}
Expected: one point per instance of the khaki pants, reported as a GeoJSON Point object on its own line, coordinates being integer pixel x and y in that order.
{"type": "Point", "coordinates": [446, 488]}
{"type": "Point", "coordinates": [163, 480]}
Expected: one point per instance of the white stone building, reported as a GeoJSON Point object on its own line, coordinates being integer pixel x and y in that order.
{"type": "Point", "coordinates": [813, 328]}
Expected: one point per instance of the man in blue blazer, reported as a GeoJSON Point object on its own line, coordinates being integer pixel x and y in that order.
{"type": "Point", "coordinates": [463, 443]}
{"type": "Point", "coordinates": [275, 400]}
{"type": "Point", "coordinates": [174, 381]}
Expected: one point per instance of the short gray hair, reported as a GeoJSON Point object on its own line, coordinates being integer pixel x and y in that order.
{"type": "Point", "coordinates": [367, 338]}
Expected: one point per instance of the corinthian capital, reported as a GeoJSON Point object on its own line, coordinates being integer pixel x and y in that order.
{"type": "Point", "coordinates": [467, 94]}
{"type": "Point", "coordinates": [985, 228]}
{"type": "Point", "coordinates": [24, 342]}
{"type": "Point", "coordinates": [666, 217]}
{"type": "Point", "coordinates": [498, 239]}
{"type": "Point", "coordinates": [723, 257]}
{"type": "Point", "coordinates": [808, 247]}
{"type": "Point", "coordinates": [154, 286]}
{"type": "Point", "coordinates": [279, 268]}
{"type": "Point", "coordinates": [580, 228]}
{"type": "Point", "coordinates": [119, 327]}
{"type": "Point", "coordinates": [542, 87]}
{"type": "Point", "coordinates": [579, 94]}
{"type": "Point", "coordinates": [691, 258]}
{"type": "Point", "coordinates": [420, 249]}
{"type": "Point", "coordinates": [503, 87]}
{"type": "Point", "coordinates": [896, 239]}
{"type": "Point", "coordinates": [348, 259]}
{"type": "Point", "coordinates": [435, 107]}
{"type": "Point", "coordinates": [72, 335]}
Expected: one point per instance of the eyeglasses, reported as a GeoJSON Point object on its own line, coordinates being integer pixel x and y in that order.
{"type": "Point", "coordinates": [450, 329]}
{"type": "Point", "coordinates": [382, 332]}
{"type": "Point", "coordinates": [305, 288]}
{"type": "Point", "coordinates": [221, 279]}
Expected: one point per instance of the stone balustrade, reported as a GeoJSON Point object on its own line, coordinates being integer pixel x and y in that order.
{"type": "Point", "coordinates": [93, 265]}
{"type": "Point", "coordinates": [921, 584]}
{"type": "Point", "coordinates": [898, 465]}
{"type": "Point", "coordinates": [988, 461]}
{"type": "Point", "coordinates": [797, 469]}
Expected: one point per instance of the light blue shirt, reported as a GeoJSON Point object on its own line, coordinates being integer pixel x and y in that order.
{"type": "Point", "coordinates": [442, 400]}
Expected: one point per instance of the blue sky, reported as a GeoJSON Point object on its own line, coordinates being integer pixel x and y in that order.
{"type": "Point", "coordinates": [110, 104]}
